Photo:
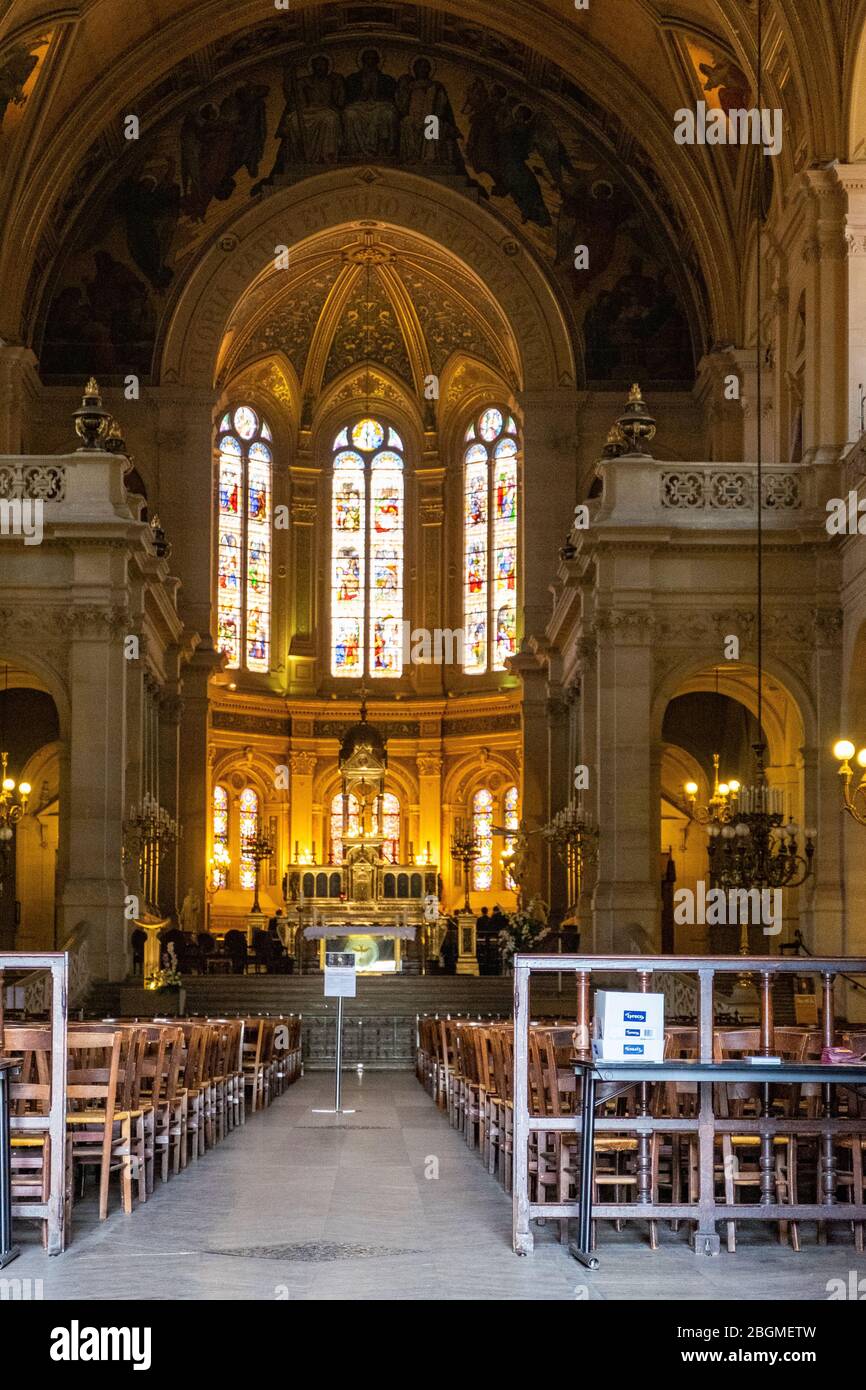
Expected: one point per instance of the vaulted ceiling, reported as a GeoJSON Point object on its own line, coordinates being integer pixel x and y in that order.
{"type": "Point", "coordinates": [71, 76]}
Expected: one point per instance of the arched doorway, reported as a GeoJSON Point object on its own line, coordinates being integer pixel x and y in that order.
{"type": "Point", "coordinates": [29, 735]}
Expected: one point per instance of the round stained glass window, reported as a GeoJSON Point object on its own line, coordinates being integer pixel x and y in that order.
{"type": "Point", "coordinates": [368, 434]}
{"type": "Point", "coordinates": [246, 423]}
{"type": "Point", "coordinates": [490, 424]}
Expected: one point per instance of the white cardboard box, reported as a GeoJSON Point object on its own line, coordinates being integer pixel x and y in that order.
{"type": "Point", "coordinates": [628, 1026]}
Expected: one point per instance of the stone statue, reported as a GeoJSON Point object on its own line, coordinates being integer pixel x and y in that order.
{"type": "Point", "coordinates": [190, 913]}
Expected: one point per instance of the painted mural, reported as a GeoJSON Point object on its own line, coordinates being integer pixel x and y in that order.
{"type": "Point", "coordinates": [351, 106]}
{"type": "Point", "coordinates": [20, 67]}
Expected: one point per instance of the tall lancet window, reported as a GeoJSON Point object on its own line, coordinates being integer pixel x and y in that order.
{"type": "Point", "coordinates": [244, 539]}
{"type": "Point", "coordinates": [367, 503]}
{"type": "Point", "coordinates": [490, 541]}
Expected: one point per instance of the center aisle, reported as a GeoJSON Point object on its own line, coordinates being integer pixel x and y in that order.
{"type": "Point", "coordinates": [304, 1206]}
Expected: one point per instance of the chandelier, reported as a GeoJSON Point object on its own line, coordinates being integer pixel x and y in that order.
{"type": "Point", "coordinates": [13, 803]}
{"type": "Point", "coordinates": [754, 846]}
{"type": "Point", "coordinates": [854, 803]}
{"type": "Point", "coordinates": [722, 804]}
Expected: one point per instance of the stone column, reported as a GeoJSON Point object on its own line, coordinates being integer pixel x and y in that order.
{"type": "Point", "coordinates": [559, 777]}
{"type": "Point", "coordinates": [193, 798]}
{"type": "Point", "coordinates": [430, 606]}
{"type": "Point", "coordinates": [825, 251]}
{"type": "Point", "coordinates": [170, 713]}
{"type": "Point", "coordinates": [852, 180]}
{"type": "Point", "coordinates": [723, 417]}
{"type": "Point", "coordinates": [534, 792]}
{"type": "Point", "coordinates": [184, 496]}
{"type": "Point", "coordinates": [627, 890]}
{"type": "Point", "coordinates": [429, 805]}
{"type": "Point", "coordinates": [302, 766]}
{"type": "Point", "coordinates": [95, 890]}
{"type": "Point", "coordinates": [19, 392]}
{"type": "Point", "coordinates": [303, 511]}
{"type": "Point", "coordinates": [548, 497]}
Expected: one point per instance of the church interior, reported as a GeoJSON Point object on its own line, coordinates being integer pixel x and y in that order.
{"type": "Point", "coordinates": [431, 447]}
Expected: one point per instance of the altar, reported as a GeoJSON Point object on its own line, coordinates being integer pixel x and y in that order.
{"type": "Point", "coordinates": [384, 911]}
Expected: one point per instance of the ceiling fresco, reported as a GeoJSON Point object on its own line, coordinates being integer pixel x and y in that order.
{"type": "Point", "coordinates": [538, 153]}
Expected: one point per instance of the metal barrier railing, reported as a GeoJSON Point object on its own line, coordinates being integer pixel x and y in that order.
{"type": "Point", "coordinates": [16, 967]}
{"type": "Point", "coordinates": [706, 1125]}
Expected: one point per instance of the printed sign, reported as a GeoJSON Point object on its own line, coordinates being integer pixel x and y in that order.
{"type": "Point", "coordinates": [340, 974]}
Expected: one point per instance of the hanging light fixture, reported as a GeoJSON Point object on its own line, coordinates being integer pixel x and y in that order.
{"type": "Point", "coordinates": [854, 803]}
{"type": "Point", "coordinates": [13, 796]}
{"type": "Point", "coordinates": [756, 847]}
{"type": "Point", "coordinates": [721, 806]}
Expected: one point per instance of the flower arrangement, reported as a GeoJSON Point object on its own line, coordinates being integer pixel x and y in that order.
{"type": "Point", "coordinates": [527, 926]}
{"type": "Point", "coordinates": [168, 977]}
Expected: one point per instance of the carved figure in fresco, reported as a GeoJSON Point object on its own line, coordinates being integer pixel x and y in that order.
{"type": "Point", "coordinates": [516, 145]}
{"type": "Point", "coordinates": [637, 323]}
{"type": "Point", "coordinates": [418, 96]}
{"type": "Point", "coordinates": [482, 144]}
{"type": "Point", "coordinates": [371, 113]}
{"type": "Point", "coordinates": [310, 130]}
{"type": "Point", "coordinates": [216, 142]}
{"type": "Point", "coordinates": [16, 68]}
{"type": "Point", "coordinates": [592, 216]}
{"type": "Point", "coordinates": [150, 207]}
{"type": "Point", "coordinates": [729, 82]}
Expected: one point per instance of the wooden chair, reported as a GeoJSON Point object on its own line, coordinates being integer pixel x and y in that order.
{"type": "Point", "coordinates": [93, 1080]}
{"type": "Point", "coordinates": [29, 1107]}
{"type": "Point", "coordinates": [741, 1099]}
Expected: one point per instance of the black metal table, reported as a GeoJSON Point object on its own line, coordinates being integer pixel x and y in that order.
{"type": "Point", "coordinates": [8, 1251]}
{"type": "Point", "coordinates": [760, 1072]}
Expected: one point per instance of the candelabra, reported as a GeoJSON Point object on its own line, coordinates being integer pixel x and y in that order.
{"type": "Point", "coordinates": [148, 831]}
{"type": "Point", "coordinates": [722, 805]}
{"type": "Point", "coordinates": [574, 838]}
{"type": "Point", "coordinates": [854, 803]}
{"type": "Point", "coordinates": [13, 805]}
{"type": "Point", "coordinates": [757, 847]}
{"type": "Point", "coordinates": [258, 847]}
{"type": "Point", "coordinates": [466, 850]}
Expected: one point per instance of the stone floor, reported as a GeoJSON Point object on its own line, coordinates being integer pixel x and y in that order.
{"type": "Point", "coordinates": [305, 1206]}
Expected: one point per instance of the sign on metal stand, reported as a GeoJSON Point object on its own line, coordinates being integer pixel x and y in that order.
{"type": "Point", "coordinates": [340, 984]}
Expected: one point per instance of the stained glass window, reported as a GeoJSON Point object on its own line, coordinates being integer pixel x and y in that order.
{"type": "Point", "coordinates": [367, 528]}
{"type": "Point", "coordinates": [490, 542]}
{"type": "Point", "coordinates": [353, 827]}
{"type": "Point", "coordinates": [244, 540]}
{"type": "Point", "coordinates": [390, 827]}
{"type": "Point", "coordinates": [249, 806]}
{"type": "Point", "coordinates": [482, 826]}
{"type": "Point", "coordinates": [220, 831]}
{"type": "Point", "coordinates": [511, 821]}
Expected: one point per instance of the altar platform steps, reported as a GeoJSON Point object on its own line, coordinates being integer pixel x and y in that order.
{"type": "Point", "coordinates": [379, 1028]}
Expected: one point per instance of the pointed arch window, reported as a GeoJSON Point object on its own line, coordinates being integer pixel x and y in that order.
{"type": "Point", "coordinates": [220, 835]}
{"type": "Point", "coordinates": [249, 809]}
{"type": "Point", "coordinates": [367, 533]}
{"type": "Point", "coordinates": [511, 821]}
{"type": "Point", "coordinates": [482, 827]}
{"type": "Point", "coordinates": [490, 485]}
{"type": "Point", "coordinates": [244, 539]}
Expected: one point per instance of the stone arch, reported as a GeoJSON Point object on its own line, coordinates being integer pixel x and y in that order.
{"type": "Point", "coordinates": [190, 348]}
{"type": "Point", "coordinates": [694, 674]}
{"type": "Point", "coordinates": [469, 773]}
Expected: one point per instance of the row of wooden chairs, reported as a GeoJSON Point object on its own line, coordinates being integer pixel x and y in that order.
{"type": "Point", "coordinates": [468, 1069]}
{"type": "Point", "coordinates": [142, 1097]}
